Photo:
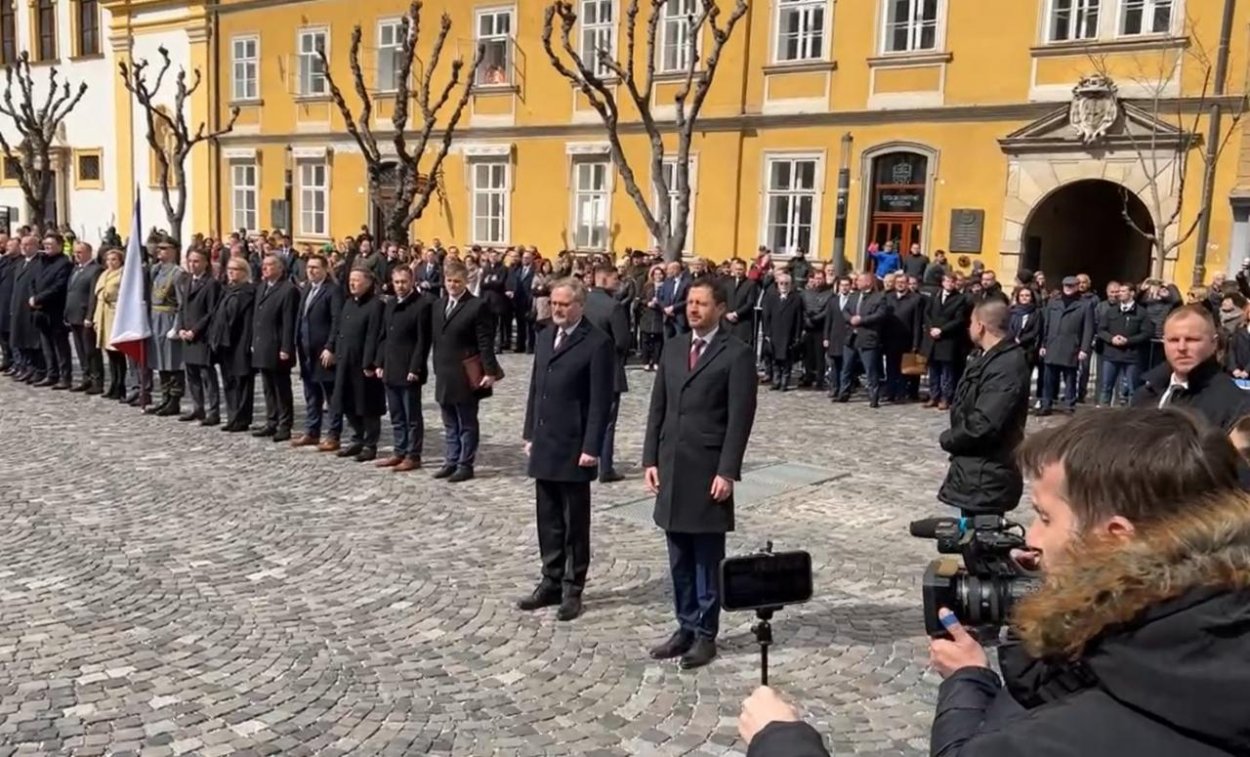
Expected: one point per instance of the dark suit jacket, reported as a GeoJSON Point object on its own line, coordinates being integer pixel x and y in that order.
{"type": "Point", "coordinates": [873, 313]}
{"type": "Point", "coordinates": [673, 293]}
{"type": "Point", "coordinates": [952, 319]}
{"type": "Point", "coordinates": [315, 328]}
{"type": "Point", "coordinates": [521, 284]}
{"type": "Point", "coordinates": [837, 328]}
{"type": "Point", "coordinates": [230, 331]}
{"type": "Point", "coordinates": [80, 291]}
{"type": "Point", "coordinates": [467, 331]}
{"type": "Point", "coordinates": [406, 348]}
{"type": "Point", "coordinates": [697, 428]}
{"type": "Point", "coordinates": [22, 333]}
{"type": "Point", "coordinates": [431, 277]}
{"type": "Point", "coordinates": [903, 327]}
{"type": "Point", "coordinates": [9, 266]}
{"type": "Point", "coordinates": [273, 325]}
{"type": "Point", "coordinates": [1068, 329]}
{"type": "Point", "coordinates": [1132, 325]}
{"type": "Point", "coordinates": [743, 295]}
{"type": "Point", "coordinates": [608, 315]}
{"type": "Point", "coordinates": [198, 301]}
{"type": "Point", "coordinates": [783, 324]}
{"type": "Point", "coordinates": [51, 289]}
{"type": "Point", "coordinates": [570, 394]}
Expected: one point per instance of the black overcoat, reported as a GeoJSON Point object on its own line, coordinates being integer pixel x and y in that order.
{"type": "Point", "coordinates": [357, 345]}
{"type": "Point", "coordinates": [22, 332]}
{"type": "Point", "coordinates": [230, 330]}
{"type": "Point", "coordinates": [1132, 325]}
{"type": "Point", "coordinates": [198, 305]}
{"type": "Point", "coordinates": [494, 287]}
{"type": "Point", "coordinates": [783, 325]}
{"type": "Point", "coordinates": [273, 325]}
{"type": "Point", "coordinates": [9, 265]}
{"type": "Point", "coordinates": [650, 318]}
{"type": "Point", "coordinates": [467, 331]}
{"type": "Point", "coordinates": [570, 394]}
{"type": "Point", "coordinates": [698, 426]}
{"type": "Point", "coordinates": [80, 291]}
{"type": "Point", "coordinates": [51, 289]}
{"type": "Point", "coordinates": [315, 327]}
{"type": "Point", "coordinates": [951, 318]}
{"type": "Point", "coordinates": [609, 315]}
{"type": "Point", "coordinates": [406, 341]}
{"type": "Point", "coordinates": [1068, 330]}
{"type": "Point", "coordinates": [744, 296]}
{"type": "Point", "coordinates": [905, 321]}
{"type": "Point", "coordinates": [837, 329]}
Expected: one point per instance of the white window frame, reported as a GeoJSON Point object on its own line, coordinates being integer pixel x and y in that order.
{"type": "Point", "coordinates": [247, 88]}
{"type": "Point", "coordinates": [239, 212]}
{"type": "Point", "coordinates": [915, 27]}
{"type": "Point", "coordinates": [670, 23]}
{"type": "Point", "coordinates": [807, 37]}
{"type": "Point", "coordinates": [597, 31]}
{"type": "Point", "coordinates": [767, 193]}
{"type": "Point", "coordinates": [320, 226]}
{"type": "Point", "coordinates": [479, 193]}
{"type": "Point", "coordinates": [507, 39]}
{"type": "Point", "coordinates": [306, 78]}
{"type": "Point", "coordinates": [1078, 10]}
{"type": "Point", "coordinates": [670, 171]}
{"type": "Point", "coordinates": [395, 26]}
{"type": "Point", "coordinates": [1148, 10]}
{"type": "Point", "coordinates": [587, 162]}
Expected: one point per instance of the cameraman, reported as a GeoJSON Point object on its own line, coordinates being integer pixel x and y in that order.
{"type": "Point", "coordinates": [988, 415]}
{"type": "Point", "coordinates": [1136, 644]}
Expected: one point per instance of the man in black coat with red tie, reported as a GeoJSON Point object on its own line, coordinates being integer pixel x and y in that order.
{"type": "Point", "coordinates": [273, 346]}
{"type": "Point", "coordinates": [702, 410]}
{"type": "Point", "coordinates": [570, 393]}
{"type": "Point", "coordinates": [405, 369]}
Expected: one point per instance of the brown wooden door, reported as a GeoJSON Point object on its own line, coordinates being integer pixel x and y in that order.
{"type": "Point", "coordinates": [903, 230]}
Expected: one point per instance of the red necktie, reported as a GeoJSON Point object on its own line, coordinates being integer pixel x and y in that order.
{"type": "Point", "coordinates": [696, 351]}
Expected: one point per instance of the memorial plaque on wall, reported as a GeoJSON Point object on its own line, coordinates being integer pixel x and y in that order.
{"type": "Point", "coordinates": [967, 227]}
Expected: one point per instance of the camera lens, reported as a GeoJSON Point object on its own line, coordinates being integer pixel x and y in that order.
{"type": "Point", "coordinates": [988, 601]}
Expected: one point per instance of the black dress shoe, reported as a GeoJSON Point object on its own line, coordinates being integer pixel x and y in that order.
{"type": "Point", "coordinates": [94, 389]}
{"type": "Point", "coordinates": [191, 416]}
{"type": "Point", "coordinates": [462, 473]}
{"type": "Point", "coordinates": [282, 436]}
{"type": "Point", "coordinates": [211, 420]}
{"type": "Point", "coordinates": [542, 597]}
{"type": "Point", "coordinates": [570, 608]}
{"type": "Point", "coordinates": [611, 477]}
{"type": "Point", "coordinates": [45, 382]}
{"type": "Point", "coordinates": [365, 455]}
{"type": "Point", "coordinates": [676, 646]}
{"type": "Point", "coordinates": [703, 652]}
{"type": "Point", "coordinates": [232, 428]}
{"type": "Point", "coordinates": [79, 388]}
{"type": "Point", "coordinates": [350, 451]}
{"type": "Point", "coordinates": [264, 431]}
{"type": "Point", "coordinates": [62, 386]}
{"type": "Point", "coordinates": [445, 471]}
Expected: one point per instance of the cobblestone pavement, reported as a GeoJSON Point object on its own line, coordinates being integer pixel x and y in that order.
{"type": "Point", "coordinates": [169, 589]}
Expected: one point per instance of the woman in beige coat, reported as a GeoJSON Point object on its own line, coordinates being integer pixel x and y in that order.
{"type": "Point", "coordinates": [107, 289]}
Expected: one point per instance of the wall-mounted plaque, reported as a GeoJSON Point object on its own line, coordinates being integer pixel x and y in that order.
{"type": "Point", "coordinates": [967, 227]}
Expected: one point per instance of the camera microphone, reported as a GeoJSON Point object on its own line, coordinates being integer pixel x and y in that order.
{"type": "Point", "coordinates": [930, 528]}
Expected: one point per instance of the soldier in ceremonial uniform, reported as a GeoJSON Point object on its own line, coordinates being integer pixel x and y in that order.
{"type": "Point", "coordinates": [165, 355]}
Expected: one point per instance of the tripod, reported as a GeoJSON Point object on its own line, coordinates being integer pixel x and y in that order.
{"type": "Point", "coordinates": [763, 631]}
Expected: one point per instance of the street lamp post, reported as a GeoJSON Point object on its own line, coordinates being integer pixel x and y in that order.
{"type": "Point", "coordinates": [844, 192]}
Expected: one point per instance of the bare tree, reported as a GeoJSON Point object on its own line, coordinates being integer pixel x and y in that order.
{"type": "Point", "coordinates": [396, 183]}
{"type": "Point", "coordinates": [37, 125]}
{"type": "Point", "coordinates": [592, 77]}
{"type": "Point", "coordinates": [168, 133]}
{"type": "Point", "coordinates": [1163, 155]}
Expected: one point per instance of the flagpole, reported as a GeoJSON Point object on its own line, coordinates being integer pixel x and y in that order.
{"type": "Point", "coordinates": [144, 396]}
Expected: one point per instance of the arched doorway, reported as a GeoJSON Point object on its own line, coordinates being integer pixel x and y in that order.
{"type": "Point", "coordinates": [899, 185]}
{"type": "Point", "coordinates": [1080, 228]}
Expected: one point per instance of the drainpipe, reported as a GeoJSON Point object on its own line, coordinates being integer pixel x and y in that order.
{"type": "Point", "coordinates": [745, 34]}
{"type": "Point", "coordinates": [1212, 145]}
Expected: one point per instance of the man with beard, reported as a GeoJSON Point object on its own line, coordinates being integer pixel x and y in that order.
{"type": "Point", "coordinates": [783, 330]}
{"type": "Point", "coordinates": [355, 352]}
{"type": "Point", "coordinates": [47, 303]}
{"type": "Point", "coordinates": [273, 347]}
{"type": "Point", "coordinates": [166, 279]}
{"type": "Point", "coordinates": [195, 312]}
{"type": "Point", "coordinates": [815, 299]}
{"type": "Point", "coordinates": [405, 369]}
{"type": "Point", "coordinates": [902, 335]}
{"type": "Point", "coordinates": [744, 295]}
{"type": "Point", "coordinates": [319, 307]}
{"type": "Point", "coordinates": [78, 303]}
{"type": "Point", "coordinates": [1067, 338]}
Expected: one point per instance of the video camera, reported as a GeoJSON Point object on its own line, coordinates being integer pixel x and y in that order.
{"type": "Point", "coordinates": [983, 590]}
{"type": "Point", "coordinates": [765, 582]}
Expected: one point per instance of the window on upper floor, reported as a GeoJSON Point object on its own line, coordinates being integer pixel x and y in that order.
{"type": "Point", "coordinates": [489, 189]}
{"type": "Point", "coordinates": [87, 27]}
{"type": "Point", "coordinates": [598, 19]}
{"type": "Point", "coordinates": [244, 79]}
{"type": "Point", "coordinates": [791, 203]}
{"type": "Point", "coordinates": [312, 71]}
{"type": "Point", "coordinates": [592, 195]}
{"type": "Point", "coordinates": [1071, 20]}
{"type": "Point", "coordinates": [494, 34]}
{"type": "Point", "coordinates": [45, 30]}
{"type": "Point", "coordinates": [800, 30]}
{"type": "Point", "coordinates": [390, 54]}
{"type": "Point", "coordinates": [1145, 17]}
{"type": "Point", "coordinates": [677, 43]}
{"type": "Point", "coordinates": [911, 25]}
{"type": "Point", "coordinates": [8, 32]}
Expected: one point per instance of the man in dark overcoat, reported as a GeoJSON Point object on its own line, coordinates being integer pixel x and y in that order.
{"type": "Point", "coordinates": [782, 316]}
{"type": "Point", "coordinates": [865, 313]}
{"type": "Point", "coordinates": [196, 305]}
{"type": "Point", "coordinates": [837, 332]}
{"type": "Point", "coordinates": [78, 302]}
{"type": "Point", "coordinates": [521, 285]}
{"type": "Point", "coordinates": [10, 262]}
{"type": "Point", "coordinates": [698, 425]}
{"type": "Point", "coordinates": [945, 341]}
{"type": "Point", "coordinates": [902, 335]}
{"type": "Point", "coordinates": [47, 302]}
{"type": "Point", "coordinates": [320, 303]}
{"type": "Point", "coordinates": [405, 368]}
{"type": "Point", "coordinates": [464, 349]}
{"type": "Point", "coordinates": [356, 352]}
{"type": "Point", "coordinates": [571, 391]}
{"type": "Point", "coordinates": [1067, 339]}
{"type": "Point", "coordinates": [230, 339]}
{"type": "Point", "coordinates": [23, 336]}
{"type": "Point", "coordinates": [610, 316]}
{"type": "Point", "coordinates": [273, 347]}
{"type": "Point", "coordinates": [744, 297]}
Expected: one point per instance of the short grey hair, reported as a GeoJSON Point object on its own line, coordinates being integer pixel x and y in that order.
{"type": "Point", "coordinates": [277, 261]}
{"type": "Point", "coordinates": [575, 286]}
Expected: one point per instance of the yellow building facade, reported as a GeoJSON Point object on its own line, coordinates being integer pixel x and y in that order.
{"type": "Point", "coordinates": [1019, 134]}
